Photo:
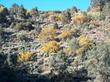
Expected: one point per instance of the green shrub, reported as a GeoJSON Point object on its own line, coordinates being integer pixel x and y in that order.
{"type": "Point", "coordinates": [1, 34]}
{"type": "Point", "coordinates": [98, 59]}
{"type": "Point", "coordinates": [24, 26]}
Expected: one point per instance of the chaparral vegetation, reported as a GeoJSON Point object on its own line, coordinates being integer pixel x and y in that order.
{"type": "Point", "coordinates": [55, 46]}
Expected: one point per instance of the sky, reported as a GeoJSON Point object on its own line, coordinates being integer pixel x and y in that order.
{"type": "Point", "coordinates": [48, 4]}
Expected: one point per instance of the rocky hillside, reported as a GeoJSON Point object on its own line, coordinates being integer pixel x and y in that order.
{"type": "Point", "coordinates": [54, 46]}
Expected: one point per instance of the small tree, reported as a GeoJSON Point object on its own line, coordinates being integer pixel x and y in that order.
{"type": "Point", "coordinates": [3, 13]}
{"type": "Point", "coordinates": [14, 9]}
{"type": "Point", "coordinates": [21, 12]}
{"type": "Point", "coordinates": [34, 13]}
